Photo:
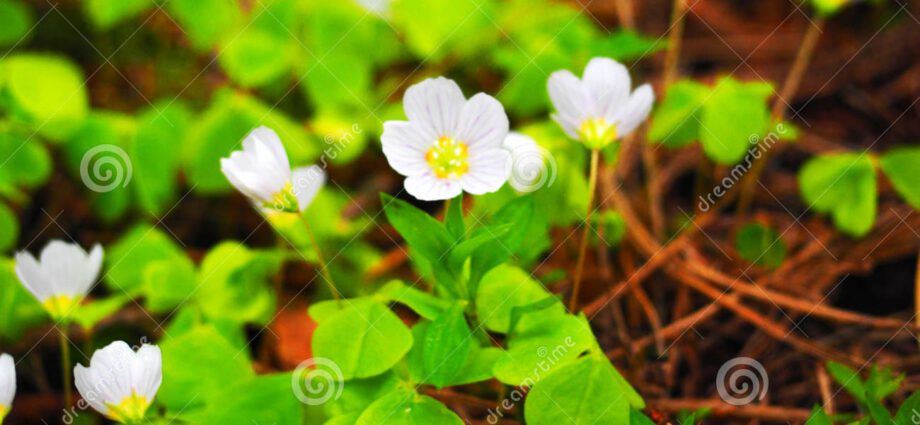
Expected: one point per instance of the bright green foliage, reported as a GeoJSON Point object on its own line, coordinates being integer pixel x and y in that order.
{"type": "Point", "coordinates": [198, 366]}
{"type": "Point", "coordinates": [502, 290]}
{"type": "Point", "coordinates": [363, 339]}
{"type": "Point", "coordinates": [44, 91]}
{"type": "Point", "coordinates": [540, 343]}
{"type": "Point", "coordinates": [127, 260]}
{"type": "Point", "coordinates": [843, 186]}
{"type": "Point", "coordinates": [902, 167]}
{"type": "Point", "coordinates": [477, 367]}
{"type": "Point", "coordinates": [9, 228]}
{"type": "Point", "coordinates": [423, 303]}
{"type": "Point", "coordinates": [256, 57]}
{"type": "Point", "coordinates": [828, 7]}
{"type": "Point", "coordinates": [222, 18]}
{"type": "Point", "coordinates": [233, 283]}
{"type": "Point", "coordinates": [761, 245]}
{"type": "Point", "coordinates": [17, 21]}
{"type": "Point", "coordinates": [613, 226]}
{"type": "Point", "coordinates": [107, 13]}
{"type": "Point", "coordinates": [446, 346]}
{"type": "Point", "coordinates": [584, 392]}
{"type": "Point", "coordinates": [726, 118]}
{"type": "Point", "coordinates": [358, 394]}
{"type": "Point", "coordinates": [405, 407]}
{"type": "Point", "coordinates": [154, 153]}
{"type": "Point", "coordinates": [818, 417]}
{"type": "Point", "coordinates": [89, 314]}
{"type": "Point", "coordinates": [169, 283]}
{"type": "Point", "coordinates": [27, 164]}
{"type": "Point", "coordinates": [436, 28]}
{"type": "Point", "coordinates": [265, 399]}
{"type": "Point", "coordinates": [19, 310]}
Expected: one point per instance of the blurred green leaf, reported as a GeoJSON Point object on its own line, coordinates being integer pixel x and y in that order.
{"type": "Point", "coordinates": [584, 392]}
{"type": "Point", "coordinates": [90, 314]}
{"type": "Point", "coordinates": [206, 22]}
{"type": "Point", "coordinates": [161, 131]}
{"type": "Point", "coordinates": [423, 303]}
{"type": "Point", "coordinates": [234, 283]}
{"type": "Point", "coordinates": [17, 22]}
{"type": "Point", "coordinates": [27, 162]}
{"type": "Point", "coordinates": [9, 228]}
{"type": "Point", "coordinates": [46, 92]}
{"type": "Point", "coordinates": [19, 310]}
{"type": "Point", "coordinates": [405, 407]}
{"type": "Point", "coordinates": [818, 417]}
{"type": "Point", "coordinates": [362, 339]}
{"type": "Point", "coordinates": [265, 399]}
{"type": "Point", "coordinates": [446, 346]}
{"type": "Point", "coordinates": [129, 257]}
{"type": "Point", "coordinates": [842, 185]}
{"type": "Point", "coordinates": [436, 28]}
{"type": "Point", "coordinates": [256, 57]}
{"type": "Point", "coordinates": [169, 283]}
{"type": "Point", "coordinates": [902, 167]}
{"type": "Point", "coordinates": [504, 288]}
{"type": "Point", "coordinates": [107, 13]}
{"type": "Point", "coordinates": [542, 342]}
{"type": "Point", "coordinates": [761, 245]}
{"type": "Point", "coordinates": [676, 121]}
{"type": "Point", "coordinates": [735, 115]}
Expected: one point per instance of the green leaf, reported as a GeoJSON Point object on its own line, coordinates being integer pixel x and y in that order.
{"type": "Point", "coordinates": [234, 283]}
{"type": "Point", "coordinates": [909, 412]}
{"type": "Point", "coordinates": [169, 283]}
{"type": "Point", "coordinates": [423, 303]}
{"type": "Point", "coordinates": [9, 228]}
{"type": "Point", "coordinates": [405, 407]}
{"type": "Point", "coordinates": [761, 245]}
{"type": "Point", "coordinates": [517, 214]}
{"type": "Point", "coordinates": [129, 257]}
{"type": "Point", "coordinates": [882, 382]}
{"type": "Point", "coordinates": [485, 237]}
{"type": "Point", "coordinates": [434, 28]}
{"type": "Point", "coordinates": [107, 13]}
{"type": "Point", "coordinates": [423, 233]}
{"type": "Point", "coordinates": [504, 288]}
{"type": "Point", "coordinates": [363, 340]}
{"type": "Point", "coordinates": [625, 45]}
{"type": "Point", "coordinates": [265, 399]}
{"type": "Point", "coordinates": [358, 394]}
{"type": "Point", "coordinates": [829, 7]}
{"type": "Point", "coordinates": [848, 379]}
{"type": "Point", "coordinates": [902, 167]}
{"type": "Point", "coordinates": [818, 417]}
{"type": "Point", "coordinates": [198, 367]}
{"type": "Point", "coordinates": [17, 21]}
{"type": "Point", "coordinates": [580, 393]}
{"type": "Point", "coordinates": [161, 132]}
{"type": "Point", "coordinates": [88, 315]}
{"type": "Point", "coordinates": [206, 22]}
{"type": "Point", "coordinates": [46, 92]}
{"type": "Point", "coordinates": [543, 342]}
{"type": "Point", "coordinates": [676, 121]}
{"type": "Point", "coordinates": [735, 115]}
{"type": "Point", "coordinates": [446, 346]}
{"type": "Point", "coordinates": [27, 162]}
{"type": "Point", "coordinates": [454, 221]}
{"type": "Point", "coordinates": [19, 310]}
{"type": "Point", "coordinates": [842, 185]}
{"type": "Point", "coordinates": [255, 57]}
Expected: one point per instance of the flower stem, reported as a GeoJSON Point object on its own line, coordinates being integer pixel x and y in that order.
{"type": "Point", "coordinates": [583, 247]}
{"type": "Point", "coordinates": [323, 266]}
{"type": "Point", "coordinates": [778, 112]}
{"type": "Point", "coordinates": [675, 38]}
{"type": "Point", "coordinates": [65, 366]}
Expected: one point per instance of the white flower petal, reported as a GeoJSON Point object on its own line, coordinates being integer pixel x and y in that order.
{"type": "Point", "coordinates": [33, 277]}
{"type": "Point", "coordinates": [91, 267]}
{"type": "Point", "coordinates": [7, 380]}
{"type": "Point", "coordinates": [404, 145]}
{"type": "Point", "coordinates": [483, 123]}
{"type": "Point", "coordinates": [64, 263]}
{"type": "Point", "coordinates": [148, 371]}
{"type": "Point", "coordinates": [572, 102]}
{"type": "Point", "coordinates": [267, 139]}
{"type": "Point", "coordinates": [430, 188]}
{"type": "Point", "coordinates": [489, 170]}
{"type": "Point", "coordinates": [434, 106]}
{"type": "Point", "coordinates": [116, 372]}
{"type": "Point", "coordinates": [261, 170]}
{"type": "Point", "coordinates": [608, 83]}
{"type": "Point", "coordinates": [90, 388]}
{"type": "Point", "coordinates": [636, 110]}
{"type": "Point", "coordinates": [307, 181]}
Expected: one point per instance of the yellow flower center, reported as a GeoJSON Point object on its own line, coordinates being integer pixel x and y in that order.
{"type": "Point", "coordinates": [3, 411]}
{"type": "Point", "coordinates": [448, 158]}
{"type": "Point", "coordinates": [131, 410]}
{"type": "Point", "coordinates": [285, 200]}
{"type": "Point", "coordinates": [60, 306]}
{"type": "Point", "coordinates": [597, 133]}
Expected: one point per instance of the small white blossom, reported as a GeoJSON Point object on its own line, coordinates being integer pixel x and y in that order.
{"type": "Point", "coordinates": [529, 170]}
{"type": "Point", "coordinates": [449, 144]}
{"type": "Point", "coordinates": [62, 277]}
{"type": "Point", "coordinates": [7, 384]}
{"type": "Point", "coordinates": [599, 109]}
{"type": "Point", "coordinates": [261, 171]}
{"type": "Point", "coordinates": [120, 383]}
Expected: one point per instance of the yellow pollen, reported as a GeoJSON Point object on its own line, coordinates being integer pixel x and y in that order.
{"type": "Point", "coordinates": [130, 410]}
{"type": "Point", "coordinates": [597, 133]}
{"type": "Point", "coordinates": [284, 201]}
{"type": "Point", "coordinates": [60, 306]}
{"type": "Point", "coordinates": [448, 158]}
{"type": "Point", "coordinates": [3, 411]}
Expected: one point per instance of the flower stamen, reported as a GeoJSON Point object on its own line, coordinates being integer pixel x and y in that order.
{"type": "Point", "coordinates": [597, 133]}
{"type": "Point", "coordinates": [130, 410]}
{"type": "Point", "coordinates": [60, 306]}
{"type": "Point", "coordinates": [448, 158]}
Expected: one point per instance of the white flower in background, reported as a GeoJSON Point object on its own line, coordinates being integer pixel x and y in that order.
{"type": "Point", "coordinates": [529, 168]}
{"type": "Point", "coordinates": [450, 144]}
{"type": "Point", "coordinates": [7, 384]}
{"type": "Point", "coordinates": [120, 383]}
{"type": "Point", "coordinates": [377, 7]}
{"type": "Point", "coordinates": [599, 109]}
{"type": "Point", "coordinates": [261, 171]}
{"type": "Point", "coordinates": [62, 277]}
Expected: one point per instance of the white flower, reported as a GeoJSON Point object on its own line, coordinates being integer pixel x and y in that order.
{"type": "Point", "coordinates": [7, 384]}
{"type": "Point", "coordinates": [62, 278]}
{"type": "Point", "coordinates": [450, 144]}
{"type": "Point", "coordinates": [599, 109]}
{"type": "Point", "coordinates": [261, 171]}
{"type": "Point", "coordinates": [377, 7]}
{"type": "Point", "coordinates": [529, 170]}
{"type": "Point", "coordinates": [120, 383]}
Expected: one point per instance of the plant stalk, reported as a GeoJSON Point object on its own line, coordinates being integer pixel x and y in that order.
{"type": "Point", "coordinates": [778, 112]}
{"type": "Point", "coordinates": [324, 267]}
{"type": "Point", "coordinates": [675, 39]}
{"type": "Point", "coordinates": [65, 366]}
{"type": "Point", "coordinates": [583, 247]}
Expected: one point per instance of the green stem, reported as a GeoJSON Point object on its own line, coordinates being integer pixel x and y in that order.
{"type": "Point", "coordinates": [324, 267]}
{"type": "Point", "coordinates": [583, 247]}
{"type": "Point", "coordinates": [65, 366]}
